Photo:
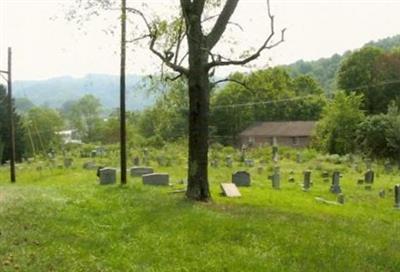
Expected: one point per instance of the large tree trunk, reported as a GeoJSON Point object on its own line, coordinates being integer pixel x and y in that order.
{"type": "Point", "coordinates": [198, 82]}
{"type": "Point", "coordinates": [198, 188]}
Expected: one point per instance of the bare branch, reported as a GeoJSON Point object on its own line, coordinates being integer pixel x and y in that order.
{"type": "Point", "coordinates": [265, 46]}
{"type": "Point", "coordinates": [145, 36]}
{"type": "Point", "coordinates": [231, 80]}
{"type": "Point", "coordinates": [220, 25]}
{"type": "Point", "coordinates": [168, 78]}
{"type": "Point", "coordinates": [164, 58]}
{"type": "Point", "coordinates": [152, 34]}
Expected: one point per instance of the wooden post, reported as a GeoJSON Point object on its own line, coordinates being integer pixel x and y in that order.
{"type": "Point", "coordinates": [11, 119]}
{"type": "Point", "coordinates": [122, 94]}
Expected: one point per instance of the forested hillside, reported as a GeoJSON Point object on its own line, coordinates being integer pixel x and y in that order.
{"type": "Point", "coordinates": [324, 70]}
{"type": "Point", "coordinates": [55, 92]}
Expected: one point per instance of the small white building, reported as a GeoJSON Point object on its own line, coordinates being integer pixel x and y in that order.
{"type": "Point", "coordinates": [70, 136]}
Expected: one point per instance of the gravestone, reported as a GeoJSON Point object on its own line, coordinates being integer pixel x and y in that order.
{"type": "Point", "coordinates": [291, 176]}
{"type": "Point", "coordinates": [156, 179]}
{"type": "Point", "coordinates": [397, 196]}
{"type": "Point", "coordinates": [67, 162]}
{"type": "Point", "coordinates": [243, 153]}
{"type": "Point", "coordinates": [325, 176]}
{"type": "Point", "coordinates": [108, 175]}
{"type": "Point", "coordinates": [360, 181]}
{"type": "Point", "coordinates": [275, 149]}
{"type": "Point", "coordinates": [260, 169]}
{"type": "Point", "coordinates": [298, 157]}
{"type": "Point", "coordinates": [214, 163]}
{"type": "Point", "coordinates": [249, 163]}
{"type": "Point", "coordinates": [145, 156]}
{"type": "Point", "coordinates": [340, 198]}
{"type": "Point", "coordinates": [137, 171]}
{"type": "Point", "coordinates": [382, 193]}
{"type": "Point", "coordinates": [335, 187]}
{"type": "Point", "coordinates": [136, 161]}
{"type": "Point", "coordinates": [369, 177]}
{"type": "Point", "coordinates": [241, 178]}
{"type": "Point", "coordinates": [230, 190]}
{"type": "Point", "coordinates": [228, 161]}
{"type": "Point", "coordinates": [89, 165]}
{"type": "Point", "coordinates": [307, 180]}
{"type": "Point", "coordinates": [93, 153]}
{"type": "Point", "coordinates": [388, 167]}
{"type": "Point", "coordinates": [276, 178]}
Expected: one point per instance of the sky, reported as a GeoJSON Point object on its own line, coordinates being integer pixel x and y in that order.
{"type": "Point", "coordinates": [45, 45]}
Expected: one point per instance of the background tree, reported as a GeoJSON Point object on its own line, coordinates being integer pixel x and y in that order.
{"type": "Point", "coordinates": [42, 125]}
{"type": "Point", "coordinates": [336, 131]}
{"type": "Point", "coordinates": [167, 118]}
{"type": "Point", "coordinates": [85, 116]}
{"type": "Point", "coordinates": [373, 73]}
{"type": "Point", "coordinates": [5, 130]}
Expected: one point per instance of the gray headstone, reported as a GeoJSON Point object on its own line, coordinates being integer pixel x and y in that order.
{"type": "Point", "coordinates": [369, 177]}
{"type": "Point", "coordinates": [335, 187]}
{"type": "Point", "coordinates": [307, 180]}
{"type": "Point", "coordinates": [249, 163]}
{"type": "Point", "coordinates": [93, 153]}
{"type": "Point", "coordinates": [340, 198]}
{"type": "Point", "coordinates": [298, 157]}
{"type": "Point", "coordinates": [388, 167]}
{"type": "Point", "coordinates": [228, 161]}
{"type": "Point", "coordinates": [230, 190]}
{"type": "Point", "coordinates": [67, 162]}
{"type": "Point", "coordinates": [397, 196]}
{"type": "Point", "coordinates": [275, 155]}
{"type": "Point", "coordinates": [136, 161]}
{"type": "Point", "coordinates": [140, 171]}
{"type": "Point", "coordinates": [276, 178]}
{"type": "Point", "coordinates": [382, 193]}
{"type": "Point", "coordinates": [241, 178]}
{"type": "Point", "coordinates": [108, 175]}
{"type": "Point", "coordinates": [214, 163]}
{"type": "Point", "coordinates": [89, 165]}
{"type": "Point", "coordinates": [156, 179]}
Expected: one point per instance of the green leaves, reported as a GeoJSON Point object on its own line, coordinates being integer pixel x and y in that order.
{"type": "Point", "coordinates": [336, 132]}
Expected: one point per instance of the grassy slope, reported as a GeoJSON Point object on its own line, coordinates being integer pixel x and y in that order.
{"type": "Point", "coordinates": [61, 220]}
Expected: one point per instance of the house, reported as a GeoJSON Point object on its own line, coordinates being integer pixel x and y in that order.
{"type": "Point", "coordinates": [288, 133]}
{"type": "Point", "coordinates": [69, 136]}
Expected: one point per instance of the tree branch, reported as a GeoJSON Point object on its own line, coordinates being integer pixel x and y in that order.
{"type": "Point", "coordinates": [221, 23]}
{"type": "Point", "coordinates": [264, 46]}
{"type": "Point", "coordinates": [231, 80]}
{"type": "Point", "coordinates": [153, 34]}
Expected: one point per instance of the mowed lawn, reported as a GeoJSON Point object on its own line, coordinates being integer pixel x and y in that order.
{"type": "Point", "coordinates": [62, 220]}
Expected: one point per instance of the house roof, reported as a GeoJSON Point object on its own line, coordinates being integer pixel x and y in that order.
{"type": "Point", "coordinates": [276, 129]}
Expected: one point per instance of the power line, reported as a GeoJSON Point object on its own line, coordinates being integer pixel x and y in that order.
{"type": "Point", "coordinates": [262, 102]}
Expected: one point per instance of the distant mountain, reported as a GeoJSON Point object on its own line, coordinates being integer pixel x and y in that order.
{"type": "Point", "coordinates": [56, 91]}
{"type": "Point", "coordinates": [324, 70]}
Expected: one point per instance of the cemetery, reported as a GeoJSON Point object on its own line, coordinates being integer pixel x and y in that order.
{"type": "Point", "coordinates": [318, 202]}
{"type": "Point", "coordinates": [213, 148]}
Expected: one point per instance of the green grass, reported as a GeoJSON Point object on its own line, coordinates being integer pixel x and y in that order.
{"type": "Point", "coordinates": [61, 220]}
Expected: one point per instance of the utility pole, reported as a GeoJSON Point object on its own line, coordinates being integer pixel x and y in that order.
{"type": "Point", "coordinates": [122, 94]}
{"type": "Point", "coordinates": [10, 117]}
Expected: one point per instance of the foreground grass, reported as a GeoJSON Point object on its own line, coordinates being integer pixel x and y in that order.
{"type": "Point", "coordinates": [61, 220]}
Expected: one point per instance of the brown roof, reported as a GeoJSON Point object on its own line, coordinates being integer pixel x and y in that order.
{"type": "Point", "coordinates": [274, 129]}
